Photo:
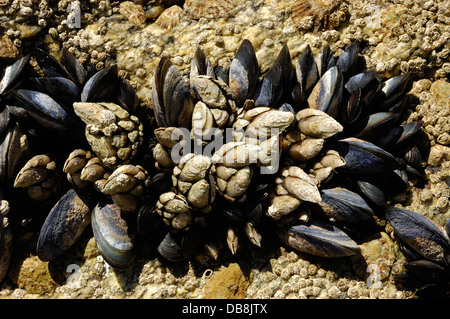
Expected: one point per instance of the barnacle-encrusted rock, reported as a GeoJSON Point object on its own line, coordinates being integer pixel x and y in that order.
{"type": "Point", "coordinates": [438, 155]}
{"type": "Point", "coordinates": [34, 275]}
{"type": "Point", "coordinates": [317, 12]}
{"type": "Point", "coordinates": [211, 9]}
{"type": "Point", "coordinates": [114, 134]}
{"type": "Point", "coordinates": [380, 251]}
{"type": "Point", "coordinates": [7, 48]}
{"type": "Point", "coordinates": [228, 283]}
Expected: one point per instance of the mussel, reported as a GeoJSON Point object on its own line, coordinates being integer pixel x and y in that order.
{"type": "Point", "coordinates": [14, 148]}
{"type": "Point", "coordinates": [341, 204]}
{"type": "Point", "coordinates": [362, 157]}
{"type": "Point", "coordinates": [277, 81]}
{"type": "Point", "coordinates": [11, 75]}
{"type": "Point", "coordinates": [243, 73]}
{"type": "Point", "coordinates": [101, 86]}
{"type": "Point", "coordinates": [320, 239]}
{"type": "Point", "coordinates": [45, 110]}
{"type": "Point", "coordinates": [63, 226]}
{"type": "Point", "coordinates": [327, 93]}
{"type": "Point", "coordinates": [172, 101]}
{"type": "Point", "coordinates": [114, 236]}
{"type": "Point", "coordinates": [306, 71]}
{"type": "Point", "coordinates": [420, 233]}
{"type": "Point", "coordinates": [348, 59]}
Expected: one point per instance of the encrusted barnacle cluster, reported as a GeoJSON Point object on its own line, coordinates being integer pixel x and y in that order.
{"type": "Point", "coordinates": [303, 112]}
{"type": "Point", "coordinates": [37, 176]}
{"type": "Point", "coordinates": [192, 178]}
{"type": "Point", "coordinates": [126, 185]}
{"type": "Point", "coordinates": [292, 188]}
{"type": "Point", "coordinates": [174, 210]}
{"type": "Point", "coordinates": [26, 19]}
{"type": "Point", "coordinates": [318, 14]}
{"type": "Point", "coordinates": [232, 170]}
{"type": "Point", "coordinates": [113, 134]}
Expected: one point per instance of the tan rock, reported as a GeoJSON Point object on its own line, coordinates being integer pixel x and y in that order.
{"type": "Point", "coordinates": [7, 48]}
{"type": "Point", "coordinates": [91, 250]}
{"type": "Point", "coordinates": [441, 92]}
{"type": "Point", "coordinates": [380, 254]}
{"type": "Point", "coordinates": [34, 276]}
{"type": "Point", "coordinates": [28, 31]}
{"type": "Point", "coordinates": [229, 282]}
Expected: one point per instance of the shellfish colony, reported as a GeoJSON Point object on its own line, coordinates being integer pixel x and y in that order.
{"type": "Point", "coordinates": [312, 153]}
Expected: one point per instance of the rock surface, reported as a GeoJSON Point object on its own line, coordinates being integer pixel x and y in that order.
{"type": "Point", "coordinates": [229, 282]}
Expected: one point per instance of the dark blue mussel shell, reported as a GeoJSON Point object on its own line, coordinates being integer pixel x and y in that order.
{"type": "Point", "coordinates": [63, 226]}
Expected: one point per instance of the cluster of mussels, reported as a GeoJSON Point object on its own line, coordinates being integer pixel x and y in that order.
{"type": "Point", "coordinates": [312, 153]}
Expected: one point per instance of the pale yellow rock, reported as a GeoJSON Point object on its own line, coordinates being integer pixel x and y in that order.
{"type": "Point", "coordinates": [34, 276]}
{"type": "Point", "coordinates": [441, 92]}
{"type": "Point", "coordinates": [380, 254]}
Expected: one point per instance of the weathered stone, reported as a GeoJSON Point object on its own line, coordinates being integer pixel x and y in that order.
{"type": "Point", "coordinates": [228, 283]}
{"type": "Point", "coordinates": [7, 48]}
{"type": "Point", "coordinates": [379, 253]}
{"type": "Point", "coordinates": [34, 276]}
{"type": "Point", "coordinates": [441, 92]}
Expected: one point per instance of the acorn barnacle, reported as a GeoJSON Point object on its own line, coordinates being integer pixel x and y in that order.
{"type": "Point", "coordinates": [211, 9]}
{"type": "Point", "coordinates": [317, 14]}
